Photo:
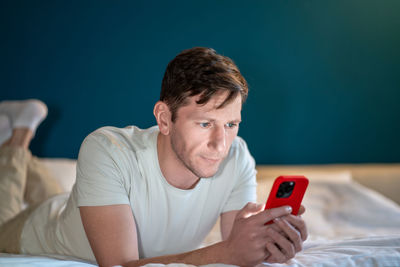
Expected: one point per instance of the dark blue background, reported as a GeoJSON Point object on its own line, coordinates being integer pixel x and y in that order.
{"type": "Point", "coordinates": [324, 76]}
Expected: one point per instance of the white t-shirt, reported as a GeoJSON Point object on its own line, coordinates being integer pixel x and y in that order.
{"type": "Point", "coordinates": [120, 166]}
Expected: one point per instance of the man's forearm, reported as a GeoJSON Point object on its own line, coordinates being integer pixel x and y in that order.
{"type": "Point", "coordinates": [217, 253]}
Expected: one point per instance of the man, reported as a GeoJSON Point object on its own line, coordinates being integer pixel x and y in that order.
{"type": "Point", "coordinates": [151, 196]}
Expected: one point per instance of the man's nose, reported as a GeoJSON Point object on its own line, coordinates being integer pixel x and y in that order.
{"type": "Point", "coordinates": [218, 139]}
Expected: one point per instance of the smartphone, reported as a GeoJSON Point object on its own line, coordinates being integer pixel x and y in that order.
{"type": "Point", "coordinates": [287, 191]}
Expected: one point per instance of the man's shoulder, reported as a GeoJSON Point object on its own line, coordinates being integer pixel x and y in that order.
{"type": "Point", "coordinates": [130, 137]}
{"type": "Point", "coordinates": [238, 145]}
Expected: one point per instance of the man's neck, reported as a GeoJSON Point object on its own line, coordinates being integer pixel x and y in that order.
{"type": "Point", "coordinates": [175, 173]}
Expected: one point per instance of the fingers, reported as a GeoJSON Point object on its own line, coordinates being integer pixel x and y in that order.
{"type": "Point", "coordinates": [251, 240]}
{"type": "Point", "coordinates": [301, 210]}
{"type": "Point", "coordinates": [298, 223]}
{"type": "Point", "coordinates": [291, 233]}
{"type": "Point", "coordinates": [247, 240]}
{"type": "Point", "coordinates": [285, 238]}
{"type": "Point", "coordinates": [281, 249]}
{"type": "Point", "coordinates": [275, 255]}
{"type": "Point", "coordinates": [268, 215]}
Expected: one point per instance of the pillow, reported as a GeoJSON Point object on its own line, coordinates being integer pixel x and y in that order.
{"type": "Point", "coordinates": [315, 173]}
{"type": "Point", "coordinates": [63, 170]}
{"type": "Point", "coordinates": [266, 176]}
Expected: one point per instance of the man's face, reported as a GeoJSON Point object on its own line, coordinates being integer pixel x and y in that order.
{"type": "Point", "coordinates": [202, 135]}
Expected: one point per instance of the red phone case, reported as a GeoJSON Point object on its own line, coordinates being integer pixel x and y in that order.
{"type": "Point", "coordinates": [294, 200]}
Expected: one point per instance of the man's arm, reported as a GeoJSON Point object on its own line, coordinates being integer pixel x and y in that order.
{"type": "Point", "coordinates": [111, 231]}
{"type": "Point", "coordinates": [226, 223]}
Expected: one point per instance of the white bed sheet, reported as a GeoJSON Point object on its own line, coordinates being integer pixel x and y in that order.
{"type": "Point", "coordinates": [349, 225]}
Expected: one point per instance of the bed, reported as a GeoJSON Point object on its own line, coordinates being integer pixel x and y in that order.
{"type": "Point", "coordinates": [353, 215]}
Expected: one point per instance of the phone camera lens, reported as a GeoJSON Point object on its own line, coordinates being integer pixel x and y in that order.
{"type": "Point", "coordinates": [285, 189]}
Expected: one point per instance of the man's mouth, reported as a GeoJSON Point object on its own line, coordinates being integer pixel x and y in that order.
{"type": "Point", "coordinates": [212, 159]}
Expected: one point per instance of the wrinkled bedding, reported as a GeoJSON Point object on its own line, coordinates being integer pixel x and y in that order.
{"type": "Point", "coordinates": [349, 225]}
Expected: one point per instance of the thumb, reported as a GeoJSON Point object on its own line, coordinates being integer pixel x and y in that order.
{"type": "Point", "coordinates": [250, 209]}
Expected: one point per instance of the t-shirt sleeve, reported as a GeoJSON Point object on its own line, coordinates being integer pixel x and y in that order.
{"type": "Point", "coordinates": [99, 179]}
{"type": "Point", "coordinates": [245, 187]}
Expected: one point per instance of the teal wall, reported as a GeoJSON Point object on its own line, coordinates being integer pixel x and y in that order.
{"type": "Point", "coordinates": [324, 76]}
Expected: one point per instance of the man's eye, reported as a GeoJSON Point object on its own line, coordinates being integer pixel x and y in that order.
{"type": "Point", "coordinates": [204, 124]}
{"type": "Point", "coordinates": [231, 125]}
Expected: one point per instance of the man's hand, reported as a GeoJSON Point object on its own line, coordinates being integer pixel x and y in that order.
{"type": "Point", "coordinates": [294, 231]}
{"type": "Point", "coordinates": [251, 241]}
{"type": "Point", "coordinates": [247, 242]}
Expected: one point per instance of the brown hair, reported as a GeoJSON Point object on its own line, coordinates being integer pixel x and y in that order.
{"type": "Point", "coordinates": [201, 71]}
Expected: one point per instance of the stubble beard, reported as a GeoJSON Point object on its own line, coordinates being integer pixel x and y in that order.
{"type": "Point", "coordinates": [186, 162]}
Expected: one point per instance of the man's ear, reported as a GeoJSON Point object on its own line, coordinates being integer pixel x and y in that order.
{"type": "Point", "coordinates": [163, 116]}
